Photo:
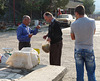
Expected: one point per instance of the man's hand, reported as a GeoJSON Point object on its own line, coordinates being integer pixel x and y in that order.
{"type": "Point", "coordinates": [94, 31]}
{"type": "Point", "coordinates": [45, 36]}
{"type": "Point", "coordinates": [38, 27]}
{"type": "Point", "coordinates": [72, 36]}
{"type": "Point", "coordinates": [48, 39]}
{"type": "Point", "coordinates": [30, 35]}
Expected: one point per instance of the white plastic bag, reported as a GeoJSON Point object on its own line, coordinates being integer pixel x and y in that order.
{"type": "Point", "coordinates": [26, 58]}
{"type": "Point", "coordinates": [3, 58]}
{"type": "Point", "coordinates": [46, 46]}
{"type": "Point", "coordinates": [34, 55]}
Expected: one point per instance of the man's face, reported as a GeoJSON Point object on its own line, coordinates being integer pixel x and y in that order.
{"type": "Point", "coordinates": [27, 21]}
{"type": "Point", "coordinates": [76, 14]}
{"type": "Point", "coordinates": [47, 19]}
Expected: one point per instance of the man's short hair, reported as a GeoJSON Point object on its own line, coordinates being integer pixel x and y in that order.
{"type": "Point", "coordinates": [25, 16]}
{"type": "Point", "coordinates": [48, 14]}
{"type": "Point", "coordinates": [80, 9]}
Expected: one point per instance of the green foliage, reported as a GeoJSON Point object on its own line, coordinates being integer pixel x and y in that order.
{"type": "Point", "coordinates": [60, 3]}
{"type": "Point", "coordinates": [2, 7]}
{"type": "Point", "coordinates": [2, 4]}
{"type": "Point", "coordinates": [32, 5]}
{"type": "Point", "coordinates": [45, 5]}
{"type": "Point", "coordinates": [33, 8]}
{"type": "Point", "coordinates": [89, 6]}
{"type": "Point", "coordinates": [29, 6]}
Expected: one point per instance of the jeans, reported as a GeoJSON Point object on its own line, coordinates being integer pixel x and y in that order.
{"type": "Point", "coordinates": [85, 56]}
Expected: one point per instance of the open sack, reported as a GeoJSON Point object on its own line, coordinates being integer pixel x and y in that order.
{"type": "Point", "coordinates": [46, 46]}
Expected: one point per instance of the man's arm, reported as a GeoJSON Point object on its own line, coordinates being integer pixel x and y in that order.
{"type": "Point", "coordinates": [72, 33]}
{"type": "Point", "coordinates": [20, 36]}
{"type": "Point", "coordinates": [72, 36]}
{"type": "Point", "coordinates": [94, 26]}
{"type": "Point", "coordinates": [35, 31]}
{"type": "Point", "coordinates": [94, 31]}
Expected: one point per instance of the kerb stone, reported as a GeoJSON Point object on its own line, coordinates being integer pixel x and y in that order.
{"type": "Point", "coordinates": [45, 73]}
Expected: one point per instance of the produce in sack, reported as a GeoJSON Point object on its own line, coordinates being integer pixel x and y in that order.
{"type": "Point", "coordinates": [26, 58]}
{"type": "Point", "coordinates": [46, 48]}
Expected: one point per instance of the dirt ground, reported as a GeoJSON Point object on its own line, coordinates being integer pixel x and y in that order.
{"type": "Point", "coordinates": [9, 39]}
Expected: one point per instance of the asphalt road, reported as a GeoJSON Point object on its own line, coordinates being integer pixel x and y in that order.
{"type": "Point", "coordinates": [9, 39]}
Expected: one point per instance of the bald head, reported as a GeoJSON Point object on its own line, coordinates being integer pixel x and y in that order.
{"type": "Point", "coordinates": [26, 17]}
{"type": "Point", "coordinates": [26, 20]}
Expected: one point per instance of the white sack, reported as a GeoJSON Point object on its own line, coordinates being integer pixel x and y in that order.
{"type": "Point", "coordinates": [26, 58]}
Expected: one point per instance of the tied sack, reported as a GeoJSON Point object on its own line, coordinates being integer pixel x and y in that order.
{"type": "Point", "coordinates": [26, 58]}
{"type": "Point", "coordinates": [46, 47]}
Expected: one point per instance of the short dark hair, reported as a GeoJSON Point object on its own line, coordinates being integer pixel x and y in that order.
{"type": "Point", "coordinates": [80, 9]}
{"type": "Point", "coordinates": [48, 14]}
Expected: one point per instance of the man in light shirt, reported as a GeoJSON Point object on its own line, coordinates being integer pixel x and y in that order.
{"type": "Point", "coordinates": [82, 31]}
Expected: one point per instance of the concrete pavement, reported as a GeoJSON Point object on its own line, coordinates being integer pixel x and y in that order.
{"type": "Point", "coordinates": [8, 39]}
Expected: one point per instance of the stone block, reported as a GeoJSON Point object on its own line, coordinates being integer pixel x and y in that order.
{"type": "Point", "coordinates": [5, 80]}
{"type": "Point", "coordinates": [5, 69]}
{"type": "Point", "coordinates": [45, 73]}
{"type": "Point", "coordinates": [4, 72]}
{"type": "Point", "coordinates": [18, 76]}
{"type": "Point", "coordinates": [2, 75]}
{"type": "Point", "coordinates": [16, 70]}
{"type": "Point", "coordinates": [11, 75]}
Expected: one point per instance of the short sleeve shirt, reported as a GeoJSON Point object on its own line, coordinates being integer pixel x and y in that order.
{"type": "Point", "coordinates": [83, 29]}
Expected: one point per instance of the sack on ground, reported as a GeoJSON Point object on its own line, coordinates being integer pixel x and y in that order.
{"type": "Point", "coordinates": [26, 58]}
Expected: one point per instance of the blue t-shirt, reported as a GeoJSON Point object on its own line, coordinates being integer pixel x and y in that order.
{"type": "Point", "coordinates": [23, 32]}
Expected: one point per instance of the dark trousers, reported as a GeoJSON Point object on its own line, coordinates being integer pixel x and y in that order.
{"type": "Point", "coordinates": [55, 53]}
{"type": "Point", "coordinates": [24, 44]}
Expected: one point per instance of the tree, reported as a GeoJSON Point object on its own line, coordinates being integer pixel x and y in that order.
{"type": "Point", "coordinates": [33, 8]}
{"type": "Point", "coordinates": [89, 6]}
{"type": "Point", "coordinates": [54, 4]}
{"type": "Point", "coordinates": [45, 5]}
{"type": "Point", "coordinates": [2, 7]}
{"type": "Point", "coordinates": [59, 3]}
